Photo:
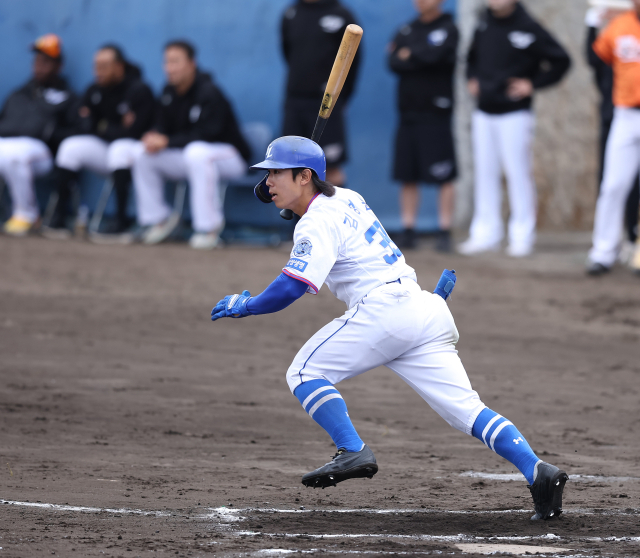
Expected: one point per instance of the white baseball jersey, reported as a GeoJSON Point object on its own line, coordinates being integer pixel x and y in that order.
{"type": "Point", "coordinates": [339, 241]}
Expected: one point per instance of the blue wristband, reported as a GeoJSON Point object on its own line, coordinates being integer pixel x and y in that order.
{"type": "Point", "coordinates": [446, 283]}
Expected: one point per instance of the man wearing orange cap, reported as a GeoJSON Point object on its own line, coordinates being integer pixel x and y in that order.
{"type": "Point", "coordinates": [33, 122]}
{"type": "Point", "coordinates": [619, 46]}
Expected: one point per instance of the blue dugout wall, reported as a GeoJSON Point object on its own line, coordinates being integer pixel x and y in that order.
{"type": "Point", "coordinates": [238, 41]}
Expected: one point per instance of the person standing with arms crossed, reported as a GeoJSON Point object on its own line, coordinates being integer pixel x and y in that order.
{"type": "Point", "coordinates": [311, 33]}
{"type": "Point", "coordinates": [619, 46]}
{"type": "Point", "coordinates": [510, 58]}
{"type": "Point", "coordinates": [423, 54]}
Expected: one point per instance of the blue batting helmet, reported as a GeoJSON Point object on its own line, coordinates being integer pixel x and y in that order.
{"type": "Point", "coordinates": [290, 152]}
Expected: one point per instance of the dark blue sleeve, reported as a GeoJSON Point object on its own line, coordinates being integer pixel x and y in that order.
{"type": "Point", "coordinates": [281, 293]}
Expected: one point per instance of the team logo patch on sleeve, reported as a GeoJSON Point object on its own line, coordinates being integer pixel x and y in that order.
{"type": "Point", "coordinates": [297, 264]}
{"type": "Point", "coordinates": [302, 249]}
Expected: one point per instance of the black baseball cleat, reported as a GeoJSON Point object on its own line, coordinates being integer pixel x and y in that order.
{"type": "Point", "coordinates": [343, 466]}
{"type": "Point", "coordinates": [547, 491]}
{"type": "Point", "coordinates": [595, 269]}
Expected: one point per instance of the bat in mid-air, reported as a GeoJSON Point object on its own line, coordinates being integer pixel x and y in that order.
{"type": "Point", "coordinates": [339, 73]}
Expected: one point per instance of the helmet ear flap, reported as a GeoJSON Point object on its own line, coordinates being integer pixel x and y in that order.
{"type": "Point", "coordinates": [261, 191]}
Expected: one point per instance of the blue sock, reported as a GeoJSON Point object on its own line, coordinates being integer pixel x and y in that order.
{"type": "Point", "coordinates": [325, 405]}
{"type": "Point", "coordinates": [504, 438]}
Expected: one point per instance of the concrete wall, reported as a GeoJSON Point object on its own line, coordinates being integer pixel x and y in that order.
{"type": "Point", "coordinates": [565, 151]}
{"type": "Point", "coordinates": [238, 41]}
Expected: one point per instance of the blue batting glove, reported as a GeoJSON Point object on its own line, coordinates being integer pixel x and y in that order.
{"type": "Point", "coordinates": [232, 306]}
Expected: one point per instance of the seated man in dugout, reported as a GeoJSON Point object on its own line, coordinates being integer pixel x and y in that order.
{"type": "Point", "coordinates": [117, 105]}
{"type": "Point", "coordinates": [196, 137]}
{"type": "Point", "coordinates": [33, 122]}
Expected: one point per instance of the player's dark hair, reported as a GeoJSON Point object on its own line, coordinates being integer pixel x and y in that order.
{"type": "Point", "coordinates": [186, 46]}
{"type": "Point", "coordinates": [118, 55]}
{"type": "Point", "coordinates": [323, 186]}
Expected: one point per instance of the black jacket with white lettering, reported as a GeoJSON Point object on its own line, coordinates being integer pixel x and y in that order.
{"type": "Point", "coordinates": [203, 113]}
{"type": "Point", "coordinates": [516, 46]}
{"type": "Point", "coordinates": [108, 105]}
{"type": "Point", "coordinates": [311, 33]}
{"type": "Point", "coordinates": [426, 77]}
{"type": "Point", "coordinates": [45, 112]}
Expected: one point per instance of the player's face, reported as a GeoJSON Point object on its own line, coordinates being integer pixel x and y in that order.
{"type": "Point", "coordinates": [106, 69]}
{"type": "Point", "coordinates": [285, 191]}
{"type": "Point", "coordinates": [425, 6]}
{"type": "Point", "coordinates": [177, 66]}
{"type": "Point", "coordinates": [44, 68]}
{"type": "Point", "coordinates": [501, 5]}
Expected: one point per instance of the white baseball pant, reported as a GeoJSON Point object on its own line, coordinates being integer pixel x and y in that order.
{"type": "Point", "coordinates": [621, 165]}
{"type": "Point", "coordinates": [21, 160]}
{"type": "Point", "coordinates": [91, 152]}
{"type": "Point", "coordinates": [503, 142]}
{"type": "Point", "coordinates": [410, 331]}
{"type": "Point", "coordinates": [203, 164]}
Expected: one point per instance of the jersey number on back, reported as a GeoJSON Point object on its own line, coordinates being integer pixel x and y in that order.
{"type": "Point", "coordinates": [386, 242]}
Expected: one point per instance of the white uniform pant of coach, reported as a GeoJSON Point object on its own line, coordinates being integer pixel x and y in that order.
{"type": "Point", "coordinates": [503, 142]}
{"type": "Point", "coordinates": [21, 160]}
{"type": "Point", "coordinates": [203, 164]}
{"type": "Point", "coordinates": [621, 165]}
{"type": "Point", "coordinates": [410, 331]}
{"type": "Point", "coordinates": [95, 154]}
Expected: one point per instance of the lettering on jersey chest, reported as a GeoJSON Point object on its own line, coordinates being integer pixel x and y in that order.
{"type": "Point", "coordinates": [351, 220]}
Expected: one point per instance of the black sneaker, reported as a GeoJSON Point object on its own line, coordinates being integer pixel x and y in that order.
{"type": "Point", "coordinates": [443, 242]}
{"type": "Point", "coordinates": [596, 269]}
{"type": "Point", "coordinates": [343, 466]}
{"type": "Point", "coordinates": [547, 491]}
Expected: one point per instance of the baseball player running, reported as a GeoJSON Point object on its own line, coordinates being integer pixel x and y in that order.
{"type": "Point", "coordinates": [33, 122]}
{"type": "Point", "coordinates": [390, 321]}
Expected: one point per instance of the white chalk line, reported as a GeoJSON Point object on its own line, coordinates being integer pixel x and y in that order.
{"type": "Point", "coordinates": [520, 477]}
{"type": "Point", "coordinates": [437, 538]}
{"type": "Point", "coordinates": [85, 509]}
{"type": "Point", "coordinates": [234, 514]}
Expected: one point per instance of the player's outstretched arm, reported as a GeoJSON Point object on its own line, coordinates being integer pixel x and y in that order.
{"type": "Point", "coordinates": [281, 293]}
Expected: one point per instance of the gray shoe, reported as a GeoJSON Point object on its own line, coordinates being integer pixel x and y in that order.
{"type": "Point", "coordinates": [344, 465]}
{"type": "Point", "coordinates": [547, 490]}
{"type": "Point", "coordinates": [159, 233]}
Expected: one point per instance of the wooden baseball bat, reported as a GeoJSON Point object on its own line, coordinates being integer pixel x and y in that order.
{"type": "Point", "coordinates": [339, 73]}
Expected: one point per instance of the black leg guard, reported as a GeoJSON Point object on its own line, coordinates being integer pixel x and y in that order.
{"type": "Point", "coordinates": [121, 182]}
{"type": "Point", "coordinates": [64, 180]}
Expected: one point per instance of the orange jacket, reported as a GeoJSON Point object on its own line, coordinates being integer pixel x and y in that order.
{"type": "Point", "coordinates": [619, 46]}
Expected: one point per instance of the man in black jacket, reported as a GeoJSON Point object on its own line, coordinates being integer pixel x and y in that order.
{"type": "Point", "coordinates": [117, 105]}
{"type": "Point", "coordinates": [196, 137]}
{"type": "Point", "coordinates": [33, 122]}
{"type": "Point", "coordinates": [423, 54]}
{"type": "Point", "coordinates": [511, 56]}
{"type": "Point", "coordinates": [311, 32]}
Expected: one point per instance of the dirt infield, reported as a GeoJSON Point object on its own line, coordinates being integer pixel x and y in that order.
{"type": "Point", "coordinates": [130, 425]}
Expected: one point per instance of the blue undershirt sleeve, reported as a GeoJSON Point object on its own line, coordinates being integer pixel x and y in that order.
{"type": "Point", "coordinates": [281, 293]}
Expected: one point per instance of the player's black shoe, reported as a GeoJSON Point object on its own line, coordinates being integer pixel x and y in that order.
{"type": "Point", "coordinates": [344, 465]}
{"type": "Point", "coordinates": [595, 269]}
{"type": "Point", "coordinates": [547, 491]}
